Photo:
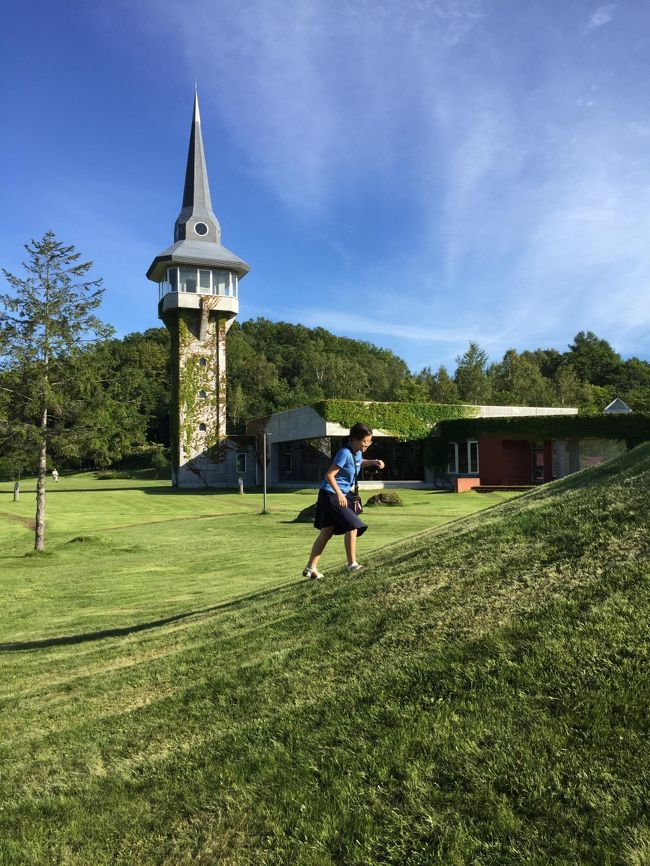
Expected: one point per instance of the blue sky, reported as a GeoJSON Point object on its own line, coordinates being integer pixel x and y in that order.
{"type": "Point", "coordinates": [416, 173]}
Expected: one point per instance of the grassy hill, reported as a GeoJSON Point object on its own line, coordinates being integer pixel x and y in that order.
{"type": "Point", "coordinates": [127, 553]}
{"type": "Point", "coordinates": [478, 696]}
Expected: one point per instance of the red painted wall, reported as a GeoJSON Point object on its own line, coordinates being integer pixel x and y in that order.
{"type": "Point", "coordinates": [505, 461]}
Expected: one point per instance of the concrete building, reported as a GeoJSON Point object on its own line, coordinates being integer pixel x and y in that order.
{"type": "Point", "coordinates": [302, 443]}
{"type": "Point", "coordinates": [198, 281]}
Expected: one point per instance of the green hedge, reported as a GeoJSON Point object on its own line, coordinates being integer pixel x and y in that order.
{"type": "Point", "coordinates": [406, 421]}
{"type": "Point", "coordinates": [633, 428]}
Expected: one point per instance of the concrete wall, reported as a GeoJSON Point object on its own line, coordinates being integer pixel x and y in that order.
{"type": "Point", "coordinates": [308, 460]}
{"type": "Point", "coordinates": [522, 411]}
{"type": "Point", "coordinates": [201, 471]}
{"type": "Point", "coordinates": [295, 424]}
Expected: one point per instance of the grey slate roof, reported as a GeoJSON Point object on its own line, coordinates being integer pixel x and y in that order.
{"type": "Point", "coordinates": [191, 246]}
{"type": "Point", "coordinates": [198, 253]}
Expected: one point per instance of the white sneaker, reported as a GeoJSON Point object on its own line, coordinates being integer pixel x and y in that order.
{"type": "Point", "coordinates": [314, 573]}
{"type": "Point", "coordinates": [355, 567]}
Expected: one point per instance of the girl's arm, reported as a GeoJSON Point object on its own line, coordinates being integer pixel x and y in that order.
{"type": "Point", "coordinates": [379, 464]}
{"type": "Point", "coordinates": [330, 476]}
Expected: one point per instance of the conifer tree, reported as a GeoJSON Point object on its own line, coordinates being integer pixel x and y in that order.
{"type": "Point", "coordinates": [470, 377]}
{"type": "Point", "coordinates": [48, 318]}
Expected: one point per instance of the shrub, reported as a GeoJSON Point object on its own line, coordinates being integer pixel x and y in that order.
{"type": "Point", "coordinates": [111, 474]}
{"type": "Point", "coordinates": [385, 498]}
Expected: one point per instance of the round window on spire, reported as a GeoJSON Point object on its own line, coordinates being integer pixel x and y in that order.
{"type": "Point", "coordinates": [201, 229]}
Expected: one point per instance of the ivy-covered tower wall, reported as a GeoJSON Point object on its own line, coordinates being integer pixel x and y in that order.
{"type": "Point", "coordinates": [198, 406]}
{"type": "Point", "coordinates": [198, 284]}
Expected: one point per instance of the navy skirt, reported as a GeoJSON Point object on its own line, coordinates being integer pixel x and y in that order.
{"type": "Point", "coordinates": [330, 513]}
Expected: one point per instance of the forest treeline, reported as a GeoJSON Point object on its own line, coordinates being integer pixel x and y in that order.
{"type": "Point", "coordinates": [272, 366]}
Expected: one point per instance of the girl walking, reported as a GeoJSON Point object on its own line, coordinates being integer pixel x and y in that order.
{"type": "Point", "coordinates": [334, 514]}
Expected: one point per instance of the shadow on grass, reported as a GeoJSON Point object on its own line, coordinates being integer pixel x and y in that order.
{"type": "Point", "coordinates": [103, 489]}
{"type": "Point", "coordinates": [162, 491]}
{"type": "Point", "coordinates": [155, 491]}
{"type": "Point", "coordinates": [72, 639]}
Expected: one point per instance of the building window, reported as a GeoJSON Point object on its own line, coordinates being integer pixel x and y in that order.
{"type": "Point", "coordinates": [472, 448]}
{"type": "Point", "coordinates": [288, 462]}
{"type": "Point", "coordinates": [201, 229]}
{"type": "Point", "coordinates": [202, 394]}
{"type": "Point", "coordinates": [201, 428]}
{"type": "Point", "coordinates": [215, 281]}
{"type": "Point", "coordinates": [188, 279]}
{"type": "Point", "coordinates": [220, 282]}
{"type": "Point", "coordinates": [463, 458]}
{"type": "Point", "coordinates": [240, 462]}
{"type": "Point", "coordinates": [203, 362]}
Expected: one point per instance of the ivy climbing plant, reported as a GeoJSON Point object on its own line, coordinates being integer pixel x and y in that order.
{"type": "Point", "coordinates": [405, 421]}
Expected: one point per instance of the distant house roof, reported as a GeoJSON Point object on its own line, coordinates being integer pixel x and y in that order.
{"type": "Point", "coordinates": [617, 406]}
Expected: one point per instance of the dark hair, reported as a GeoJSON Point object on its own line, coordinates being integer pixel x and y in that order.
{"type": "Point", "coordinates": [360, 431]}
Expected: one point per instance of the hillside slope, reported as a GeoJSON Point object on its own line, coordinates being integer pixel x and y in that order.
{"type": "Point", "coordinates": [478, 696]}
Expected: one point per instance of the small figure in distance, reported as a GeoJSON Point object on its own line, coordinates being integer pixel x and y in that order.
{"type": "Point", "coordinates": [334, 514]}
{"type": "Point", "coordinates": [55, 476]}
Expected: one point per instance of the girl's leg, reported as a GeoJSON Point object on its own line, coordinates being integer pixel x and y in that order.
{"type": "Point", "coordinates": [351, 546]}
{"type": "Point", "coordinates": [319, 546]}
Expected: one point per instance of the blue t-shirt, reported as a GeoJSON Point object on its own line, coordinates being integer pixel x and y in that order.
{"type": "Point", "coordinates": [345, 476]}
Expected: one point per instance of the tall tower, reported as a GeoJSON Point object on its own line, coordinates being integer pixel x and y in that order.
{"type": "Point", "coordinates": [198, 281]}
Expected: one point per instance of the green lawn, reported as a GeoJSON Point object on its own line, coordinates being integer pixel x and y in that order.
{"type": "Point", "coordinates": [477, 697]}
{"type": "Point", "coordinates": [128, 552]}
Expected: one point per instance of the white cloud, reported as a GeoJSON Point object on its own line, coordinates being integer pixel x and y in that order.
{"type": "Point", "coordinates": [528, 197]}
{"type": "Point", "coordinates": [316, 94]}
{"type": "Point", "coordinates": [367, 326]}
{"type": "Point", "coordinates": [601, 16]}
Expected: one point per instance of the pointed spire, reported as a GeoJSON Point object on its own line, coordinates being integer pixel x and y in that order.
{"type": "Point", "coordinates": [196, 193]}
{"type": "Point", "coordinates": [197, 233]}
{"type": "Point", "coordinates": [196, 219]}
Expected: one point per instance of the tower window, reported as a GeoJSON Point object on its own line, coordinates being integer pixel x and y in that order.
{"type": "Point", "coordinates": [188, 279]}
{"type": "Point", "coordinates": [201, 428]}
{"type": "Point", "coordinates": [220, 282]}
{"type": "Point", "coordinates": [201, 229]}
{"type": "Point", "coordinates": [216, 281]}
{"type": "Point", "coordinates": [202, 394]}
{"type": "Point", "coordinates": [203, 362]}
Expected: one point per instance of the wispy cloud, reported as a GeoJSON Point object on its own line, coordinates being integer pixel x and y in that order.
{"type": "Point", "coordinates": [601, 16]}
{"type": "Point", "coordinates": [370, 326]}
{"type": "Point", "coordinates": [510, 163]}
{"type": "Point", "coordinates": [320, 95]}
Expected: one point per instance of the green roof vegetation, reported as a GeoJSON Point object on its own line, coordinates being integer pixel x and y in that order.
{"type": "Point", "coordinates": [401, 420]}
{"type": "Point", "coordinates": [633, 428]}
